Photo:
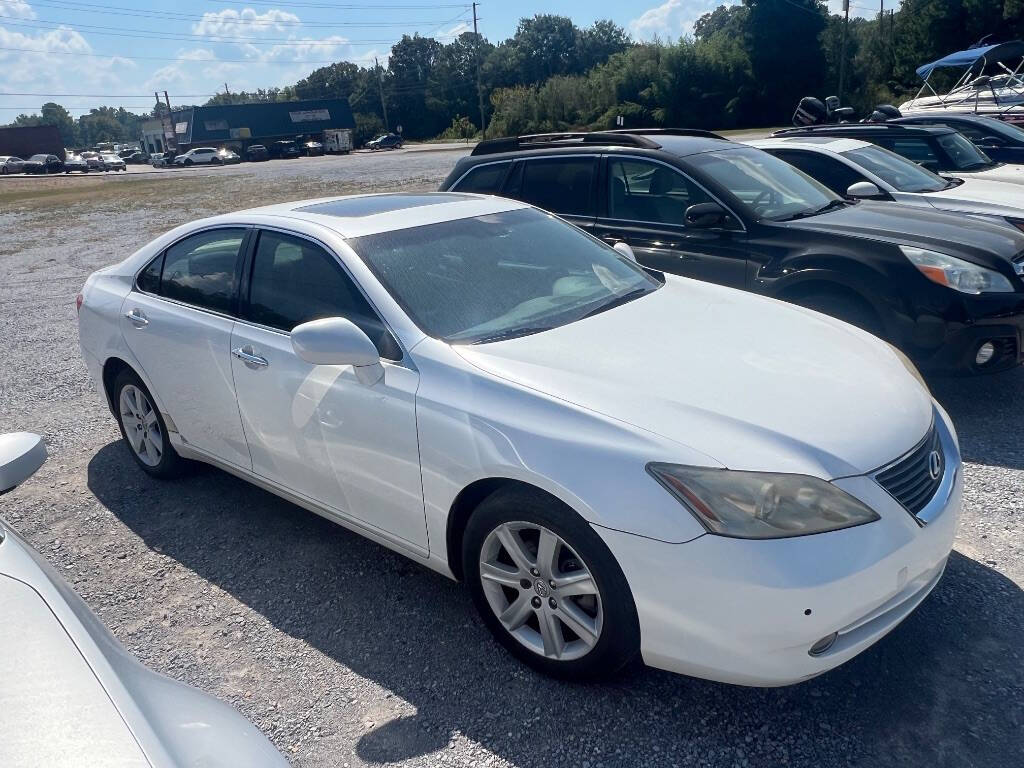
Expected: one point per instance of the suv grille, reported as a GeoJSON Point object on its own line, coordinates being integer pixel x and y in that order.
{"type": "Point", "coordinates": [913, 480]}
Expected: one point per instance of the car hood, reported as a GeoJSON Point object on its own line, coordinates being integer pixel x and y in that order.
{"type": "Point", "coordinates": [976, 239]}
{"type": "Point", "coordinates": [978, 194]}
{"type": "Point", "coordinates": [751, 382]}
{"type": "Point", "coordinates": [1009, 172]}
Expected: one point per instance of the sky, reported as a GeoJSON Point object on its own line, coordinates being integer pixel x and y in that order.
{"type": "Point", "coordinates": [83, 53]}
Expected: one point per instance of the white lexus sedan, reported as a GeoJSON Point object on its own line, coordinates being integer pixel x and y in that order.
{"type": "Point", "coordinates": [615, 462]}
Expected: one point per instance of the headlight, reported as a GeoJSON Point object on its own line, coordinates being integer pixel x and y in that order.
{"type": "Point", "coordinates": [956, 273]}
{"type": "Point", "coordinates": [759, 505]}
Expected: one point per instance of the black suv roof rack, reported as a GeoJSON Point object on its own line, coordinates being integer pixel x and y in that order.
{"type": "Point", "coordinates": [855, 128]}
{"type": "Point", "coordinates": [620, 137]}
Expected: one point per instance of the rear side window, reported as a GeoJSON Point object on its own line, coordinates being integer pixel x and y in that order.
{"type": "Point", "coordinates": [484, 179]}
{"type": "Point", "coordinates": [200, 269]}
{"type": "Point", "coordinates": [294, 281]}
{"type": "Point", "coordinates": [560, 185]}
{"type": "Point", "coordinates": [834, 174]}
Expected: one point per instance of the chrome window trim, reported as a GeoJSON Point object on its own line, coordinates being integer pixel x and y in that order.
{"type": "Point", "coordinates": [732, 213]}
{"type": "Point", "coordinates": [472, 168]}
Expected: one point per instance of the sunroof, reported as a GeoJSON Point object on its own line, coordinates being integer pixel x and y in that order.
{"type": "Point", "coordinates": [373, 204]}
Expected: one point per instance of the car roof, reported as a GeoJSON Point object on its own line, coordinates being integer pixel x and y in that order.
{"type": "Point", "coordinates": [826, 143]}
{"type": "Point", "coordinates": [676, 141]}
{"type": "Point", "coordinates": [867, 129]}
{"type": "Point", "coordinates": [358, 215]}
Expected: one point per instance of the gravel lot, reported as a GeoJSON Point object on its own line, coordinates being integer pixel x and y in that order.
{"type": "Point", "coordinates": [345, 654]}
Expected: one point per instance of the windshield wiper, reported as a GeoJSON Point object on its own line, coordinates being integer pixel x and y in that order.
{"type": "Point", "coordinates": [512, 333]}
{"type": "Point", "coordinates": [826, 207]}
{"type": "Point", "coordinates": [618, 301]}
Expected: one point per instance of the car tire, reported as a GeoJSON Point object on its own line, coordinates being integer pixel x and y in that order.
{"type": "Point", "coordinates": [137, 415]}
{"type": "Point", "coordinates": [589, 633]}
{"type": "Point", "coordinates": [187, 162]}
{"type": "Point", "coordinates": [842, 306]}
{"type": "Point", "coordinates": [215, 161]}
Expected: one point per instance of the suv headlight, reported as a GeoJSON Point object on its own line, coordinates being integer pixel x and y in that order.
{"type": "Point", "coordinates": [956, 273]}
{"type": "Point", "coordinates": [761, 505]}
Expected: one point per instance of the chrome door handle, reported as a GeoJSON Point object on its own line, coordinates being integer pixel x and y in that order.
{"type": "Point", "coordinates": [246, 355]}
{"type": "Point", "coordinates": [136, 318]}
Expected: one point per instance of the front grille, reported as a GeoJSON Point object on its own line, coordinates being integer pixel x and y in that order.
{"type": "Point", "coordinates": [912, 480]}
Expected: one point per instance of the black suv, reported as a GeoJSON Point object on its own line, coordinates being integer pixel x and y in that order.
{"type": "Point", "coordinates": [1000, 140]}
{"type": "Point", "coordinates": [938, 148]}
{"type": "Point", "coordinates": [939, 286]}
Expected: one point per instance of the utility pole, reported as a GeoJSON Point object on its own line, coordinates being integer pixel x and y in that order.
{"type": "Point", "coordinates": [479, 87]}
{"type": "Point", "coordinates": [380, 83]}
{"type": "Point", "coordinates": [227, 91]}
{"type": "Point", "coordinates": [171, 140]}
{"type": "Point", "coordinates": [842, 55]}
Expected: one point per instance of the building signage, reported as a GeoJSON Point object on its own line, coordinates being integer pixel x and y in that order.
{"type": "Point", "coordinates": [310, 115]}
{"type": "Point", "coordinates": [181, 128]}
{"type": "Point", "coordinates": [240, 133]}
{"type": "Point", "coordinates": [215, 125]}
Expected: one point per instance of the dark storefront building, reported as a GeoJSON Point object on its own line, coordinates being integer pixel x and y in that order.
{"type": "Point", "coordinates": [239, 125]}
{"type": "Point", "coordinates": [31, 140]}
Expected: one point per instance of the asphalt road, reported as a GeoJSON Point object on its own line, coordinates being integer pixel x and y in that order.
{"type": "Point", "coordinates": [345, 654]}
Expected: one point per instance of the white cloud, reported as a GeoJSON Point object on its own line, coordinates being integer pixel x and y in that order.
{"type": "Point", "coordinates": [18, 9]}
{"type": "Point", "coordinates": [244, 23]}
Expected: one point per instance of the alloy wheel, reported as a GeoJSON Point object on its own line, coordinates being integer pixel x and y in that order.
{"type": "Point", "coordinates": [541, 591]}
{"type": "Point", "coordinates": [141, 425]}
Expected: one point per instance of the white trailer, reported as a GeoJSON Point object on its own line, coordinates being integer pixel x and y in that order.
{"type": "Point", "coordinates": [338, 141]}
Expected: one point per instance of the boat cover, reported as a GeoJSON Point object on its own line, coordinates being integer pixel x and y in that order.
{"type": "Point", "coordinates": [967, 58]}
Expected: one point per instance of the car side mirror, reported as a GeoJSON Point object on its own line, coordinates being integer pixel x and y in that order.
{"type": "Point", "coordinates": [625, 250]}
{"type": "Point", "coordinates": [703, 215]}
{"type": "Point", "coordinates": [21, 454]}
{"type": "Point", "coordinates": [864, 190]}
{"type": "Point", "coordinates": [337, 341]}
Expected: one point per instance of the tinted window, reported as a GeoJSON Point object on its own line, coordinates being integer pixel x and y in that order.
{"type": "Point", "coordinates": [896, 170]}
{"type": "Point", "coordinates": [200, 269]}
{"type": "Point", "coordinates": [500, 275]}
{"type": "Point", "coordinates": [484, 179]}
{"type": "Point", "coordinates": [149, 278]}
{"type": "Point", "coordinates": [834, 174]}
{"type": "Point", "coordinates": [294, 281]}
{"type": "Point", "coordinates": [560, 185]}
{"type": "Point", "coordinates": [962, 153]}
{"type": "Point", "coordinates": [645, 191]}
{"type": "Point", "coordinates": [912, 149]}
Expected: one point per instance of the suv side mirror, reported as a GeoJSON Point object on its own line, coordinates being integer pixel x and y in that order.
{"type": "Point", "coordinates": [625, 250]}
{"type": "Point", "coordinates": [864, 190]}
{"type": "Point", "coordinates": [21, 454]}
{"type": "Point", "coordinates": [337, 341]}
{"type": "Point", "coordinates": [703, 215]}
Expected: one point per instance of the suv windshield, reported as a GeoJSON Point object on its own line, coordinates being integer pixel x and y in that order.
{"type": "Point", "coordinates": [501, 275]}
{"type": "Point", "coordinates": [764, 185]}
{"type": "Point", "coordinates": [962, 152]}
{"type": "Point", "coordinates": [895, 170]}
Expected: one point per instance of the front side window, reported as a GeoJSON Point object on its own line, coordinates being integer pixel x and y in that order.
{"type": "Point", "coordinates": [896, 170]}
{"type": "Point", "coordinates": [645, 191]}
{"type": "Point", "coordinates": [763, 185]}
{"type": "Point", "coordinates": [200, 269]}
{"type": "Point", "coordinates": [962, 153]}
{"type": "Point", "coordinates": [917, 150]}
{"type": "Point", "coordinates": [500, 275]}
{"type": "Point", "coordinates": [560, 185]}
{"type": "Point", "coordinates": [294, 281]}
{"type": "Point", "coordinates": [833, 173]}
{"type": "Point", "coordinates": [484, 179]}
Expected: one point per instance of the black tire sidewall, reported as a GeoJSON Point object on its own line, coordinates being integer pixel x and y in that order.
{"type": "Point", "coordinates": [170, 464]}
{"type": "Point", "coordinates": [620, 634]}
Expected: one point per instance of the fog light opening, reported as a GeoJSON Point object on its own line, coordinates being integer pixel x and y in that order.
{"type": "Point", "coordinates": [823, 645]}
{"type": "Point", "coordinates": [985, 353]}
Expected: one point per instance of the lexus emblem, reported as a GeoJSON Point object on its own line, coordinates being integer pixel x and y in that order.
{"type": "Point", "coordinates": [934, 465]}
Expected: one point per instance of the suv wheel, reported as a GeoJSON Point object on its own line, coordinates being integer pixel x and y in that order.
{"type": "Point", "coordinates": [143, 428]}
{"type": "Point", "coordinates": [548, 588]}
{"type": "Point", "coordinates": [841, 306]}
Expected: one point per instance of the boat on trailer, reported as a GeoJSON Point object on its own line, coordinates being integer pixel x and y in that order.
{"type": "Point", "coordinates": [988, 85]}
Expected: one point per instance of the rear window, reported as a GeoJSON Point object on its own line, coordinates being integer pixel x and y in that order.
{"type": "Point", "coordinates": [484, 179]}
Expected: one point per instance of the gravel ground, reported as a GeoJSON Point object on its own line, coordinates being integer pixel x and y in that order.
{"type": "Point", "coordinates": [345, 654]}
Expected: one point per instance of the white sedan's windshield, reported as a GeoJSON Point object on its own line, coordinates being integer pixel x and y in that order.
{"type": "Point", "coordinates": [500, 275]}
{"type": "Point", "coordinates": [895, 170]}
{"type": "Point", "coordinates": [769, 188]}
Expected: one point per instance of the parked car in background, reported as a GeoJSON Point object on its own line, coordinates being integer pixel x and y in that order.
{"type": "Point", "coordinates": [256, 153]}
{"type": "Point", "coordinates": [739, 516]}
{"type": "Point", "coordinates": [198, 156]}
{"type": "Point", "coordinates": [312, 148]}
{"type": "Point", "coordinates": [284, 150]}
{"type": "Point", "coordinates": [75, 163]}
{"type": "Point", "coordinates": [112, 162]}
{"type": "Point", "coordinates": [160, 159]}
{"type": "Point", "coordinates": [135, 158]}
{"type": "Point", "coordinates": [938, 148]}
{"type": "Point", "coordinates": [998, 139]}
{"type": "Point", "coordinates": [11, 164]}
{"type": "Point", "coordinates": [228, 156]}
{"type": "Point", "coordinates": [385, 141]}
{"type": "Point", "coordinates": [42, 164]}
{"type": "Point", "coordinates": [95, 160]}
{"type": "Point", "coordinates": [946, 290]}
{"type": "Point", "coordinates": [60, 659]}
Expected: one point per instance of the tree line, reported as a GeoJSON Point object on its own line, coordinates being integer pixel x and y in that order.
{"type": "Point", "coordinates": [745, 65]}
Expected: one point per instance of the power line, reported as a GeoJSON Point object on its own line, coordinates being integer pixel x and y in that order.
{"type": "Point", "coordinates": [180, 59]}
{"type": "Point", "coordinates": [108, 95]}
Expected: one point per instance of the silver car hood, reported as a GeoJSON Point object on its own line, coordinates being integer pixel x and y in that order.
{"type": "Point", "coordinates": [76, 697]}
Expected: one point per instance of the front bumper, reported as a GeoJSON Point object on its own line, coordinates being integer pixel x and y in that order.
{"type": "Point", "coordinates": [747, 612]}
